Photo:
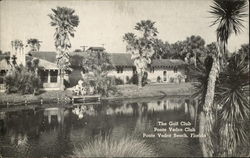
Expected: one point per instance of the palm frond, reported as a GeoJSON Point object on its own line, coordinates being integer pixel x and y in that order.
{"type": "Point", "coordinates": [229, 15]}
{"type": "Point", "coordinates": [230, 92]}
{"type": "Point", "coordinates": [64, 20]}
{"type": "Point", "coordinates": [201, 73]}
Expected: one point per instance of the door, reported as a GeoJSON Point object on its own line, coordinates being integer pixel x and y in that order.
{"type": "Point", "coordinates": [165, 76]}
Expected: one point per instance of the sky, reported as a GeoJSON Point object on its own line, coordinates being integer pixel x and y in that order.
{"type": "Point", "coordinates": [104, 22]}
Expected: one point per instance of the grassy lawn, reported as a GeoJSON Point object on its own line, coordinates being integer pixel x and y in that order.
{"type": "Point", "coordinates": [126, 91]}
{"type": "Point", "coordinates": [49, 95]}
{"type": "Point", "coordinates": [131, 91]}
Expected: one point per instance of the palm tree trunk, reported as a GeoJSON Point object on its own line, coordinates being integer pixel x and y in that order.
{"type": "Point", "coordinates": [208, 114]}
{"type": "Point", "coordinates": [36, 72]}
{"type": "Point", "coordinates": [36, 75]}
{"type": "Point", "coordinates": [140, 79]}
{"type": "Point", "coordinates": [62, 87]}
{"type": "Point", "coordinates": [209, 99]}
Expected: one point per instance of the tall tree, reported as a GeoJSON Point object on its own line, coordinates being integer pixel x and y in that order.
{"type": "Point", "coordinates": [141, 48]}
{"type": "Point", "coordinates": [98, 64]}
{"type": "Point", "coordinates": [64, 20]}
{"type": "Point", "coordinates": [17, 52]}
{"type": "Point", "coordinates": [228, 14]}
{"type": "Point", "coordinates": [194, 47]}
{"type": "Point", "coordinates": [162, 49]}
{"type": "Point", "coordinates": [177, 50]}
{"type": "Point", "coordinates": [34, 44]}
{"type": "Point", "coordinates": [245, 50]}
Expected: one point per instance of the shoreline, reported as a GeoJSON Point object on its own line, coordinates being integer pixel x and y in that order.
{"type": "Point", "coordinates": [126, 92]}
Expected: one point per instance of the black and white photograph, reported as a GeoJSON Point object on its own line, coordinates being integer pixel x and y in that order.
{"type": "Point", "coordinates": [124, 78]}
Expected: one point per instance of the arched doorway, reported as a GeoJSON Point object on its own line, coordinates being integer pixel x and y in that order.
{"type": "Point", "coordinates": [164, 76]}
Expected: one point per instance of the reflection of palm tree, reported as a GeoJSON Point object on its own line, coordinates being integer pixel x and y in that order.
{"type": "Point", "coordinates": [140, 123]}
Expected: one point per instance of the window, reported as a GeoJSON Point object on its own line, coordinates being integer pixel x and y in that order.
{"type": "Point", "coordinates": [152, 69]}
{"type": "Point", "coordinates": [127, 78]}
{"type": "Point", "coordinates": [175, 70]}
{"type": "Point", "coordinates": [134, 70]}
{"type": "Point", "coordinates": [85, 71]}
{"type": "Point", "coordinates": [119, 69]}
{"type": "Point", "coordinates": [53, 76]}
{"type": "Point", "coordinates": [164, 76]}
{"type": "Point", "coordinates": [2, 74]}
{"type": "Point", "coordinates": [1, 80]}
{"type": "Point", "coordinates": [44, 75]}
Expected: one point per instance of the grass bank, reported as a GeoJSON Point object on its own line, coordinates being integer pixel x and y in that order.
{"type": "Point", "coordinates": [108, 147]}
{"type": "Point", "coordinates": [152, 90]}
{"type": "Point", "coordinates": [125, 91]}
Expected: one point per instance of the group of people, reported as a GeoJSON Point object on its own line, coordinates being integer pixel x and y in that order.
{"type": "Point", "coordinates": [80, 89]}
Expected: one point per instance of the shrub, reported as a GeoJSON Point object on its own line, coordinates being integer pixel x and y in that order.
{"type": "Point", "coordinates": [103, 84]}
{"type": "Point", "coordinates": [98, 64]}
{"type": "Point", "coordinates": [134, 79]}
{"type": "Point", "coordinates": [127, 79]}
{"type": "Point", "coordinates": [118, 81]}
{"type": "Point", "coordinates": [158, 79]}
{"type": "Point", "coordinates": [108, 147]}
{"type": "Point", "coordinates": [171, 79]}
{"type": "Point", "coordinates": [20, 79]}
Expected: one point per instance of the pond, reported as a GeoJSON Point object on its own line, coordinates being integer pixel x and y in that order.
{"type": "Point", "coordinates": [55, 131]}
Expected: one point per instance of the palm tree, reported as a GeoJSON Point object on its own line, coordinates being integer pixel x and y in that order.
{"type": "Point", "coordinates": [201, 73]}
{"type": "Point", "coordinates": [231, 93]}
{"type": "Point", "coordinates": [64, 20]}
{"type": "Point", "coordinates": [161, 49]}
{"type": "Point", "coordinates": [99, 64]}
{"type": "Point", "coordinates": [17, 52]}
{"type": "Point", "coordinates": [142, 49]}
{"type": "Point", "coordinates": [228, 14]}
{"type": "Point", "coordinates": [34, 44]}
{"type": "Point", "coordinates": [232, 90]}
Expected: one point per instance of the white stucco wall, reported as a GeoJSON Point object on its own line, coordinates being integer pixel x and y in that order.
{"type": "Point", "coordinates": [127, 72]}
{"type": "Point", "coordinates": [152, 76]}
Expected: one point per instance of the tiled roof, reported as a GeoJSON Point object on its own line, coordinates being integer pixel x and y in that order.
{"type": "Point", "coordinates": [121, 59]}
{"type": "Point", "coordinates": [4, 65]}
{"type": "Point", "coordinates": [47, 65]}
{"type": "Point", "coordinates": [45, 55]}
{"type": "Point", "coordinates": [124, 59]}
{"type": "Point", "coordinates": [83, 54]}
{"type": "Point", "coordinates": [96, 48]}
{"type": "Point", "coordinates": [118, 59]}
{"type": "Point", "coordinates": [43, 63]}
{"type": "Point", "coordinates": [167, 63]}
{"type": "Point", "coordinates": [3, 56]}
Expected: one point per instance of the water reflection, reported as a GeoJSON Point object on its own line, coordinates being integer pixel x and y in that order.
{"type": "Point", "coordinates": [59, 113]}
{"type": "Point", "coordinates": [53, 132]}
